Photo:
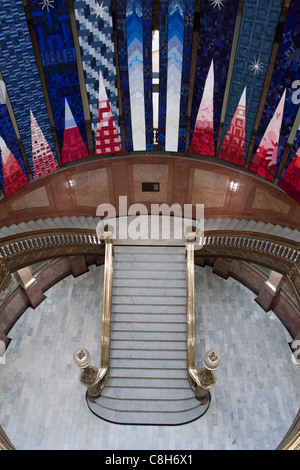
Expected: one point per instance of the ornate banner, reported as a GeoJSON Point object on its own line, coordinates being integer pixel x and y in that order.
{"type": "Point", "coordinates": [290, 179]}
{"type": "Point", "coordinates": [257, 32]}
{"type": "Point", "coordinates": [95, 33]}
{"type": "Point", "coordinates": [21, 76]}
{"type": "Point", "coordinates": [285, 78]}
{"type": "Point", "coordinates": [52, 26]}
{"type": "Point", "coordinates": [13, 175]}
{"type": "Point", "coordinates": [217, 23]}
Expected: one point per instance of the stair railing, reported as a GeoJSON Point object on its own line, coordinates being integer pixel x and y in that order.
{"type": "Point", "coordinates": [91, 377]}
{"type": "Point", "coordinates": [203, 379]}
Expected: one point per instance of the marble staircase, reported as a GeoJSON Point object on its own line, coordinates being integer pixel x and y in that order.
{"type": "Point", "coordinates": [148, 376]}
{"type": "Point", "coordinates": [209, 224]}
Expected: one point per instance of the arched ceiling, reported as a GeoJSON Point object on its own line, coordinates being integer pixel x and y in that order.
{"type": "Point", "coordinates": [78, 81]}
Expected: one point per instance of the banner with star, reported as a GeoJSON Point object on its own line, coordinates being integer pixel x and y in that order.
{"type": "Point", "coordinates": [257, 32]}
{"type": "Point", "coordinates": [52, 26]}
{"type": "Point", "coordinates": [286, 76]}
{"type": "Point", "coordinates": [217, 23]}
{"type": "Point", "coordinates": [22, 79]}
{"type": "Point", "coordinates": [96, 40]}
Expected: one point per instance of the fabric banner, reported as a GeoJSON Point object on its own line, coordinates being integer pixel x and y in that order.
{"type": "Point", "coordinates": [95, 34]}
{"type": "Point", "coordinates": [163, 71]}
{"type": "Point", "coordinates": [123, 66]}
{"type": "Point", "coordinates": [13, 175]}
{"type": "Point", "coordinates": [56, 46]}
{"type": "Point", "coordinates": [285, 77]}
{"type": "Point", "coordinates": [257, 32]}
{"type": "Point", "coordinates": [21, 76]}
{"type": "Point", "coordinates": [290, 179]}
{"type": "Point", "coordinates": [217, 23]}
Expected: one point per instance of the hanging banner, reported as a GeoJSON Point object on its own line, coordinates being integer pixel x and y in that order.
{"type": "Point", "coordinates": [56, 46]}
{"type": "Point", "coordinates": [285, 77]}
{"type": "Point", "coordinates": [217, 23]}
{"type": "Point", "coordinates": [96, 39]}
{"type": "Point", "coordinates": [290, 179]}
{"type": "Point", "coordinates": [13, 175]}
{"type": "Point", "coordinates": [257, 32]}
{"type": "Point", "coordinates": [21, 76]}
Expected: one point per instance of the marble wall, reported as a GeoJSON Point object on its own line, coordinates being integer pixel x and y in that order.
{"type": "Point", "coordinates": [78, 190]}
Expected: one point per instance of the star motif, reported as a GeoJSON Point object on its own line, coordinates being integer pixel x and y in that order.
{"type": "Point", "coordinates": [256, 66]}
{"type": "Point", "coordinates": [99, 10]}
{"type": "Point", "coordinates": [217, 3]}
{"type": "Point", "coordinates": [47, 4]}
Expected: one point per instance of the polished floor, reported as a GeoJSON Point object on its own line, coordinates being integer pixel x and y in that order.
{"type": "Point", "coordinates": [255, 399]}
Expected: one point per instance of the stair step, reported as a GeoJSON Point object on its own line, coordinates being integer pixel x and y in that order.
{"type": "Point", "coordinates": [147, 383]}
{"type": "Point", "coordinates": [146, 300]}
{"type": "Point", "coordinates": [147, 354]}
{"type": "Point", "coordinates": [145, 326]}
{"type": "Point", "coordinates": [148, 291]}
{"type": "Point", "coordinates": [126, 317]}
{"type": "Point", "coordinates": [150, 406]}
{"type": "Point", "coordinates": [135, 373]}
{"type": "Point", "coordinates": [141, 345]}
{"type": "Point", "coordinates": [150, 283]}
{"type": "Point", "coordinates": [149, 309]}
{"type": "Point", "coordinates": [148, 393]}
{"type": "Point", "coordinates": [128, 335]}
{"type": "Point", "coordinates": [149, 274]}
{"type": "Point", "coordinates": [147, 363]}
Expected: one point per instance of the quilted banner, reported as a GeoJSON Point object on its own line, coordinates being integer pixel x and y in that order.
{"type": "Point", "coordinates": [95, 33]}
{"type": "Point", "coordinates": [52, 26]}
{"type": "Point", "coordinates": [290, 179]}
{"type": "Point", "coordinates": [257, 32]}
{"type": "Point", "coordinates": [217, 23]}
{"type": "Point", "coordinates": [22, 80]}
{"type": "Point", "coordinates": [285, 79]}
{"type": "Point", "coordinates": [13, 175]}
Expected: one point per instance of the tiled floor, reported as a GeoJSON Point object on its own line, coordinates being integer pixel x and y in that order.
{"type": "Point", "coordinates": [253, 403]}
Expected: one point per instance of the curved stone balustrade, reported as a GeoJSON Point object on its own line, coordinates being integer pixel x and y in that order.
{"type": "Point", "coordinates": [25, 249]}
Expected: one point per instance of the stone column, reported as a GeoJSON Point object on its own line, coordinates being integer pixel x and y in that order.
{"type": "Point", "coordinates": [30, 286]}
{"type": "Point", "coordinates": [269, 291]}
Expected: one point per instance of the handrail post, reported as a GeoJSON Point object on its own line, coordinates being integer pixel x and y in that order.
{"type": "Point", "coordinates": [91, 377]}
{"type": "Point", "coordinates": [203, 379]}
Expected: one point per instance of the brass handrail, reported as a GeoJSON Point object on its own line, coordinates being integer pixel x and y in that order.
{"type": "Point", "coordinates": [91, 377]}
{"type": "Point", "coordinates": [106, 313]}
{"type": "Point", "coordinates": [190, 307]}
{"type": "Point", "coordinates": [203, 379]}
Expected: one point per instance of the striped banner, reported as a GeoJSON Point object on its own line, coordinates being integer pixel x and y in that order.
{"type": "Point", "coordinates": [21, 77]}
{"type": "Point", "coordinates": [256, 37]}
{"type": "Point", "coordinates": [13, 175]}
{"type": "Point", "coordinates": [286, 76]}
{"type": "Point", "coordinates": [217, 23]}
{"type": "Point", "coordinates": [95, 33]}
{"type": "Point", "coordinates": [54, 35]}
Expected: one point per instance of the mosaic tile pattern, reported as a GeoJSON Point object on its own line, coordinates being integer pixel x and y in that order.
{"type": "Point", "coordinates": [21, 76]}
{"type": "Point", "coordinates": [254, 402]}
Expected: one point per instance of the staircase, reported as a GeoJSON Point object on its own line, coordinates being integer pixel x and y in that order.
{"type": "Point", "coordinates": [148, 368]}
